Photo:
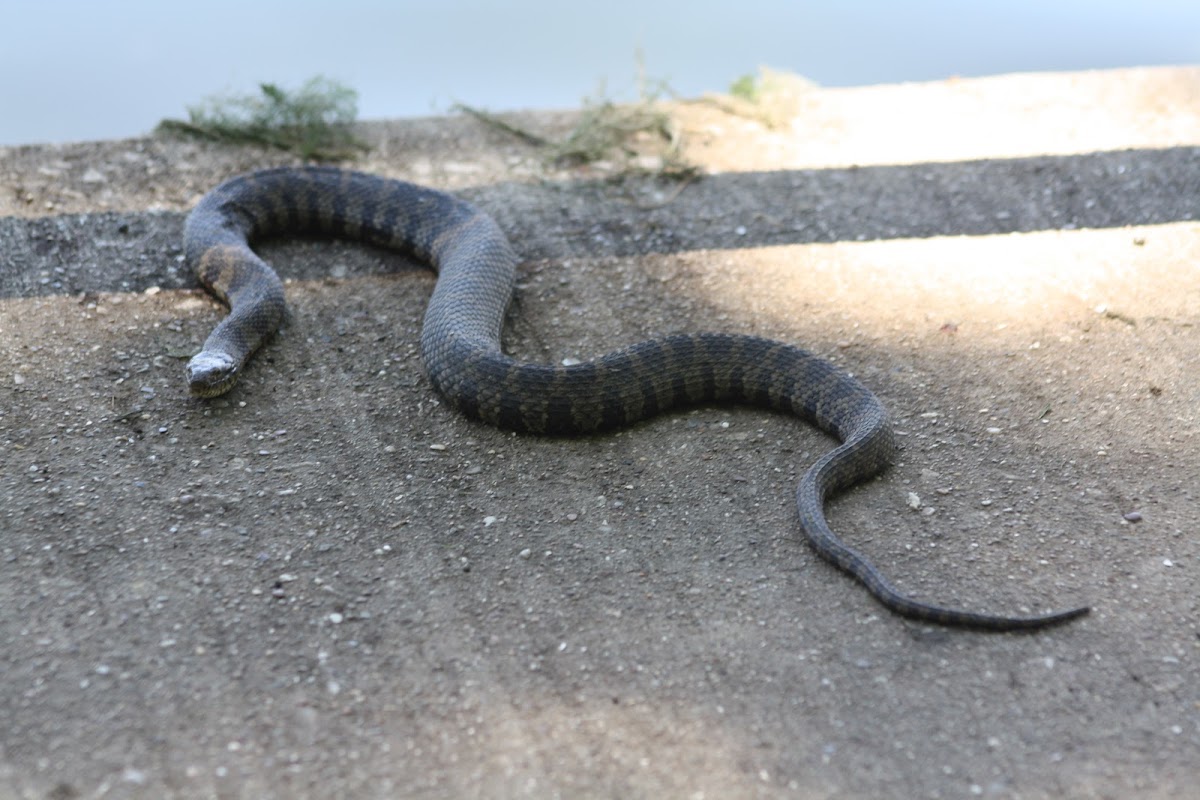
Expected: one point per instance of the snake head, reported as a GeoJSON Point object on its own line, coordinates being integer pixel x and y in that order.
{"type": "Point", "coordinates": [211, 374]}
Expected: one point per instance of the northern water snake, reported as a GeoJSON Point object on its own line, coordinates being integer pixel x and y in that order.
{"type": "Point", "coordinates": [460, 344]}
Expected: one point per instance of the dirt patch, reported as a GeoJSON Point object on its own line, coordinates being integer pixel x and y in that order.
{"type": "Point", "coordinates": [329, 584]}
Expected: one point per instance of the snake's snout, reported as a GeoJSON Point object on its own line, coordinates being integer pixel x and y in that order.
{"type": "Point", "coordinates": [211, 374]}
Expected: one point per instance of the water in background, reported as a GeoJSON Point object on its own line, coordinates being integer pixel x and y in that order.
{"type": "Point", "coordinates": [81, 69]}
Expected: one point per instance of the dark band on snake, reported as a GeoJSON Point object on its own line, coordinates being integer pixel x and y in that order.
{"type": "Point", "coordinates": [460, 344]}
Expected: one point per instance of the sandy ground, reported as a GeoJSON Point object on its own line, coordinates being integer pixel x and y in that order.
{"type": "Point", "coordinates": [328, 584]}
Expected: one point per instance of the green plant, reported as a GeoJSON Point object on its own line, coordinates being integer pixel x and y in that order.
{"type": "Point", "coordinates": [745, 88]}
{"type": "Point", "coordinates": [772, 97]}
{"type": "Point", "coordinates": [315, 121]}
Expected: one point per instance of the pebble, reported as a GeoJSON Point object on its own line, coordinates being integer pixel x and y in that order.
{"type": "Point", "coordinates": [526, 553]}
{"type": "Point", "coordinates": [1132, 516]}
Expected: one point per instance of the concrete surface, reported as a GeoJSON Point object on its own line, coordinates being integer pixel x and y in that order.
{"type": "Point", "coordinates": [329, 585]}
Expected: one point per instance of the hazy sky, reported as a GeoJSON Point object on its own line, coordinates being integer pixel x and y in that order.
{"type": "Point", "coordinates": [82, 69]}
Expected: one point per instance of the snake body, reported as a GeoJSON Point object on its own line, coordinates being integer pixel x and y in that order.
{"type": "Point", "coordinates": [460, 344]}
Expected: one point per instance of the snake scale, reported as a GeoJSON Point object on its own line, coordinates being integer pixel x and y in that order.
{"type": "Point", "coordinates": [460, 344]}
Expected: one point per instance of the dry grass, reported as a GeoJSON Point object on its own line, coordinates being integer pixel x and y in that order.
{"type": "Point", "coordinates": [641, 137]}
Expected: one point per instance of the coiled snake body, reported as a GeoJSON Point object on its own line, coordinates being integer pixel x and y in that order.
{"type": "Point", "coordinates": [460, 343]}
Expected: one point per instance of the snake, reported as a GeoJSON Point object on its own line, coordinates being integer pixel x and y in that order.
{"type": "Point", "coordinates": [461, 348]}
